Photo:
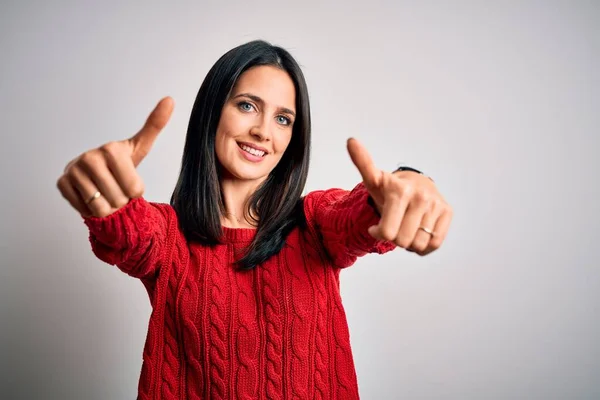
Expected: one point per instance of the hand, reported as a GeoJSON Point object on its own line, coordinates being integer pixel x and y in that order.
{"type": "Point", "coordinates": [408, 202]}
{"type": "Point", "coordinates": [103, 180]}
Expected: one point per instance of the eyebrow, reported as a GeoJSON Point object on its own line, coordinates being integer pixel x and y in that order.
{"type": "Point", "coordinates": [261, 101]}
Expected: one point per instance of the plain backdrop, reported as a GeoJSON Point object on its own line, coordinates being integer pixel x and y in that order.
{"type": "Point", "coordinates": [497, 101]}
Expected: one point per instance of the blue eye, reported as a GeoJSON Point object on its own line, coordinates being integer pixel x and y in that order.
{"type": "Point", "coordinates": [245, 106]}
{"type": "Point", "coordinates": [283, 120]}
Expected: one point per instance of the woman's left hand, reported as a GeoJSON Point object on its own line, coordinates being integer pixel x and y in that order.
{"type": "Point", "coordinates": [414, 215]}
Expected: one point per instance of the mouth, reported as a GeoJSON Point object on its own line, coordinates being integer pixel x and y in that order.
{"type": "Point", "coordinates": [252, 150]}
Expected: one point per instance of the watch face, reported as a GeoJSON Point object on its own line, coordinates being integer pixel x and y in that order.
{"type": "Point", "coordinates": [407, 168]}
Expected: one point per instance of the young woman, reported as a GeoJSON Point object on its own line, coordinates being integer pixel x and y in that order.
{"type": "Point", "coordinates": [241, 270]}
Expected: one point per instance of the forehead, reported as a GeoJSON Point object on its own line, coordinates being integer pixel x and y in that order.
{"type": "Point", "coordinates": [273, 85]}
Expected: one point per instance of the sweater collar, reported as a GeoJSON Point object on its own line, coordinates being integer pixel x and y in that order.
{"type": "Point", "coordinates": [238, 234]}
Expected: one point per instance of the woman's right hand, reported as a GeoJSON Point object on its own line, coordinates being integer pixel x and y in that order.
{"type": "Point", "coordinates": [103, 180]}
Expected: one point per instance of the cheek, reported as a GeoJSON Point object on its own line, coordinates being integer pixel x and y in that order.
{"type": "Point", "coordinates": [228, 128]}
{"type": "Point", "coordinates": [226, 122]}
{"type": "Point", "coordinates": [281, 142]}
{"type": "Point", "coordinates": [220, 140]}
{"type": "Point", "coordinates": [221, 143]}
{"type": "Point", "coordinates": [232, 123]}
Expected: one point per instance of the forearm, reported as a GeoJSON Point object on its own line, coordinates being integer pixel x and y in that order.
{"type": "Point", "coordinates": [342, 219]}
{"type": "Point", "coordinates": [132, 238]}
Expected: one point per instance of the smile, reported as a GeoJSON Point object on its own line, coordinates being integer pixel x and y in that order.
{"type": "Point", "coordinates": [248, 149]}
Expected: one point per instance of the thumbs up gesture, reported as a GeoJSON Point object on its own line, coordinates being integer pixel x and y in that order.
{"type": "Point", "coordinates": [103, 180]}
{"type": "Point", "coordinates": [414, 215]}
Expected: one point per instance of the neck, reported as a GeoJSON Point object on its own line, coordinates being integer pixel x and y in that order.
{"type": "Point", "coordinates": [236, 194]}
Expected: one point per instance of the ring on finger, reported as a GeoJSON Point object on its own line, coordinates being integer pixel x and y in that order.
{"type": "Point", "coordinates": [93, 197]}
{"type": "Point", "coordinates": [427, 230]}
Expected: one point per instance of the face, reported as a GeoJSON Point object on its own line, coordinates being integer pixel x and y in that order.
{"type": "Point", "coordinates": [256, 123]}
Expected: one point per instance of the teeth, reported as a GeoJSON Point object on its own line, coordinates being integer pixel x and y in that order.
{"type": "Point", "coordinates": [250, 150]}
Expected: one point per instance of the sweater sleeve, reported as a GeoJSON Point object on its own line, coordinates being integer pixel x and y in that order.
{"type": "Point", "coordinates": [341, 220]}
{"type": "Point", "coordinates": [132, 238]}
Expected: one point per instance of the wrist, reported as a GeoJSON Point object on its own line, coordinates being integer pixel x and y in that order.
{"type": "Point", "coordinates": [373, 205]}
{"type": "Point", "coordinates": [405, 168]}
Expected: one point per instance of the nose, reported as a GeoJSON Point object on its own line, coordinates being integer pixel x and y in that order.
{"type": "Point", "coordinates": [261, 130]}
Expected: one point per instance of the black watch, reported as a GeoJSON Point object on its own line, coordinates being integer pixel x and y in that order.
{"type": "Point", "coordinates": [411, 169]}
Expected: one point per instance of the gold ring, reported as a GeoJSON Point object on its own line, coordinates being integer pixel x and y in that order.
{"type": "Point", "coordinates": [427, 230]}
{"type": "Point", "coordinates": [94, 197]}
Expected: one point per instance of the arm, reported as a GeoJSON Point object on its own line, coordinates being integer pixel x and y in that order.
{"type": "Point", "coordinates": [414, 215]}
{"type": "Point", "coordinates": [104, 186]}
{"type": "Point", "coordinates": [387, 210]}
{"type": "Point", "coordinates": [340, 219]}
{"type": "Point", "coordinates": [132, 238]}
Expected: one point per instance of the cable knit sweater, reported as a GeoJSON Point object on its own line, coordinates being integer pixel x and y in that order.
{"type": "Point", "coordinates": [277, 331]}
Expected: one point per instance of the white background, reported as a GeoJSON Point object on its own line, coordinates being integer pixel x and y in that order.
{"type": "Point", "coordinates": [498, 101]}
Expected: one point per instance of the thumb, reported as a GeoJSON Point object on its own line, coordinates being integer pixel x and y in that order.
{"type": "Point", "coordinates": [143, 140]}
{"type": "Point", "coordinates": [363, 162]}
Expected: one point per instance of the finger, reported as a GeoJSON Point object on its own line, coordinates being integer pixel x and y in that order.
{"type": "Point", "coordinates": [441, 231]}
{"type": "Point", "coordinates": [371, 176]}
{"type": "Point", "coordinates": [69, 165]}
{"type": "Point", "coordinates": [143, 140]}
{"type": "Point", "coordinates": [86, 188]}
{"type": "Point", "coordinates": [106, 183]}
{"type": "Point", "coordinates": [127, 177]}
{"type": "Point", "coordinates": [72, 196]}
{"type": "Point", "coordinates": [394, 208]}
{"type": "Point", "coordinates": [411, 222]}
{"type": "Point", "coordinates": [422, 239]}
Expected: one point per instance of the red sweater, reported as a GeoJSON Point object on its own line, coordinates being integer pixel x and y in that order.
{"type": "Point", "coordinates": [277, 331]}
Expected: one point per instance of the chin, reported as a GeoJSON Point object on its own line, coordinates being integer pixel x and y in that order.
{"type": "Point", "coordinates": [245, 176]}
{"type": "Point", "coordinates": [245, 172]}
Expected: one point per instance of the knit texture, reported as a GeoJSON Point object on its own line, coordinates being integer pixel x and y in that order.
{"type": "Point", "coordinates": [277, 331]}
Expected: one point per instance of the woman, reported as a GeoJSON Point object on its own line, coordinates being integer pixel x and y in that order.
{"type": "Point", "coordinates": [242, 272]}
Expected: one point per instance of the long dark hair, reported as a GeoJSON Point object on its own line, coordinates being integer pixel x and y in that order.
{"type": "Point", "coordinates": [197, 197]}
